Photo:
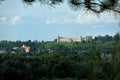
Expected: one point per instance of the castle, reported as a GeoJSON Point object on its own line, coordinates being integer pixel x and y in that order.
{"type": "Point", "coordinates": [79, 39]}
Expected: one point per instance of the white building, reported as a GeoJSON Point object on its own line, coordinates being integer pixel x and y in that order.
{"type": "Point", "coordinates": [64, 39]}
{"type": "Point", "coordinates": [79, 39]}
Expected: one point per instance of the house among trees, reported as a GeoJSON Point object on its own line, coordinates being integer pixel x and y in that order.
{"type": "Point", "coordinates": [26, 48]}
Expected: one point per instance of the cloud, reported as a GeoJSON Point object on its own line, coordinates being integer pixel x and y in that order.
{"type": "Point", "coordinates": [67, 17]}
{"type": "Point", "coordinates": [74, 18]}
{"type": "Point", "coordinates": [96, 26]}
{"type": "Point", "coordinates": [86, 19]}
{"type": "Point", "coordinates": [3, 20]}
{"type": "Point", "coordinates": [68, 21]}
{"type": "Point", "coordinates": [111, 19]}
{"type": "Point", "coordinates": [60, 21]}
{"type": "Point", "coordinates": [51, 21]}
{"type": "Point", "coordinates": [8, 20]}
{"type": "Point", "coordinates": [16, 19]}
{"type": "Point", "coordinates": [83, 18]}
{"type": "Point", "coordinates": [89, 18]}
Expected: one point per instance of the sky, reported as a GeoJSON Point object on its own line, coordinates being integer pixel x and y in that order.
{"type": "Point", "coordinates": [19, 21]}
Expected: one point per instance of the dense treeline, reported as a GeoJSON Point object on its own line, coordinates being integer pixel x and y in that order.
{"type": "Point", "coordinates": [104, 43]}
{"type": "Point", "coordinates": [95, 60]}
{"type": "Point", "coordinates": [56, 66]}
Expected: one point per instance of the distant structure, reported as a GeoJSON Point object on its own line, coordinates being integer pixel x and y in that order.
{"type": "Point", "coordinates": [26, 48]}
{"type": "Point", "coordinates": [79, 39]}
{"type": "Point", "coordinates": [87, 38]}
{"type": "Point", "coordinates": [15, 48]}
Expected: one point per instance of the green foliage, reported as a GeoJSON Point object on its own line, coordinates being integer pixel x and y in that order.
{"type": "Point", "coordinates": [104, 43]}
{"type": "Point", "coordinates": [57, 66]}
{"type": "Point", "coordinates": [95, 60]}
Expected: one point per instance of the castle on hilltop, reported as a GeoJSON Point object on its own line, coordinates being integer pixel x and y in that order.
{"type": "Point", "coordinates": [79, 39]}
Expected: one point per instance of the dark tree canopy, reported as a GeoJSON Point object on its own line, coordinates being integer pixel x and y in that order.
{"type": "Point", "coordinates": [97, 6]}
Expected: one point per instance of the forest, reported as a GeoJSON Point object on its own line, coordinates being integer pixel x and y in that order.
{"type": "Point", "coordinates": [98, 59]}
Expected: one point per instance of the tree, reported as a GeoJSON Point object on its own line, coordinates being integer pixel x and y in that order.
{"type": "Point", "coordinates": [96, 6]}
{"type": "Point", "coordinates": [117, 42]}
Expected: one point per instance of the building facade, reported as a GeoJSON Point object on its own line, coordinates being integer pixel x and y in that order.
{"type": "Point", "coordinates": [64, 39]}
{"type": "Point", "coordinates": [79, 39]}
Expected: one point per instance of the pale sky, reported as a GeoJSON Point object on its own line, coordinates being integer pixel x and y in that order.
{"type": "Point", "coordinates": [19, 21]}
